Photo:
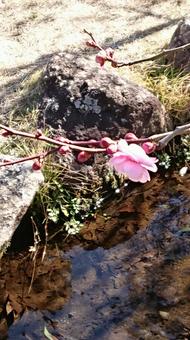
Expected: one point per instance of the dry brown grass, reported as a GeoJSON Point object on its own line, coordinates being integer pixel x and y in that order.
{"type": "Point", "coordinates": [32, 30]}
{"type": "Point", "coordinates": [173, 90]}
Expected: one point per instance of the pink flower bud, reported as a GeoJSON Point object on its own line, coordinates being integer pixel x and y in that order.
{"type": "Point", "coordinates": [101, 58]}
{"type": "Point", "coordinates": [36, 165]}
{"type": "Point", "coordinates": [91, 43]}
{"type": "Point", "coordinates": [105, 142]}
{"type": "Point", "coordinates": [63, 149]}
{"type": "Point", "coordinates": [110, 52]}
{"type": "Point", "coordinates": [130, 136]}
{"type": "Point", "coordinates": [6, 133]}
{"type": "Point", "coordinates": [83, 156]}
{"type": "Point", "coordinates": [112, 148]}
{"type": "Point", "coordinates": [149, 147]}
{"type": "Point", "coordinates": [38, 133]}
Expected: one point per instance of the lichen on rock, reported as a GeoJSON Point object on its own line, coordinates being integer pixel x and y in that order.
{"type": "Point", "coordinates": [87, 101]}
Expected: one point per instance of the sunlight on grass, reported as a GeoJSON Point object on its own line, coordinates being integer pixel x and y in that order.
{"type": "Point", "coordinates": [171, 86]}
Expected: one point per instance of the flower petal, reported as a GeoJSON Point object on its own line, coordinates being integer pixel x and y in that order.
{"type": "Point", "coordinates": [122, 145]}
{"type": "Point", "coordinates": [117, 158]}
{"type": "Point", "coordinates": [136, 172]}
{"type": "Point", "coordinates": [152, 167]}
{"type": "Point", "coordinates": [141, 157]}
{"type": "Point", "coordinates": [145, 176]}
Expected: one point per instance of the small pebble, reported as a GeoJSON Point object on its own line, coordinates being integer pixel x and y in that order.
{"type": "Point", "coordinates": [183, 171]}
{"type": "Point", "coordinates": [164, 315]}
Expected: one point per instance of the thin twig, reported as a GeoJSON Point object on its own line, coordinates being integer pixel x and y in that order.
{"type": "Point", "coordinates": [40, 156]}
{"type": "Point", "coordinates": [90, 35]}
{"type": "Point", "coordinates": [50, 140]}
{"type": "Point", "coordinates": [118, 64]}
{"type": "Point", "coordinates": [163, 53]}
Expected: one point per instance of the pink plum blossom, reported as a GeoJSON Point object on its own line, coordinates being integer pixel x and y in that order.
{"type": "Point", "coordinates": [132, 160]}
{"type": "Point", "coordinates": [101, 57]}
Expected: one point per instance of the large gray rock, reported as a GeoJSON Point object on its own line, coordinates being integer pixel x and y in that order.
{"type": "Point", "coordinates": [18, 185]}
{"type": "Point", "coordinates": [87, 101]}
{"type": "Point", "coordinates": [181, 37]}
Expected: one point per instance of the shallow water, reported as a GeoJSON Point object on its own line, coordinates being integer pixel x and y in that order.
{"type": "Point", "coordinates": [133, 285]}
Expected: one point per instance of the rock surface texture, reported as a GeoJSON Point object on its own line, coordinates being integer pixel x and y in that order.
{"type": "Point", "coordinates": [87, 101]}
{"type": "Point", "coordinates": [18, 185]}
{"type": "Point", "coordinates": [181, 37]}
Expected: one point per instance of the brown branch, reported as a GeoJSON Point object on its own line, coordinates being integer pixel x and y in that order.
{"type": "Point", "coordinates": [51, 140]}
{"type": "Point", "coordinates": [179, 130]}
{"type": "Point", "coordinates": [162, 139]}
{"type": "Point", "coordinates": [94, 40]}
{"type": "Point", "coordinates": [118, 64]}
{"type": "Point", "coordinates": [90, 35]}
{"type": "Point", "coordinates": [41, 156]}
{"type": "Point", "coordinates": [154, 57]}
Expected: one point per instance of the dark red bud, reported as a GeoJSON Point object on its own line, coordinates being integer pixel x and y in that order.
{"type": "Point", "coordinates": [38, 133]}
{"type": "Point", "coordinates": [111, 149]}
{"type": "Point", "coordinates": [105, 142]}
{"type": "Point", "coordinates": [6, 133]}
{"type": "Point", "coordinates": [63, 149]}
{"type": "Point", "coordinates": [130, 136]}
{"type": "Point", "coordinates": [91, 43]}
{"type": "Point", "coordinates": [101, 58]}
{"type": "Point", "coordinates": [83, 156]}
{"type": "Point", "coordinates": [113, 64]}
{"type": "Point", "coordinates": [36, 165]}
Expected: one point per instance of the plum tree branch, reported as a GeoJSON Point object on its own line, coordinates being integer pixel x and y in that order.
{"type": "Point", "coordinates": [49, 140]}
{"type": "Point", "coordinates": [118, 64]}
{"type": "Point", "coordinates": [40, 156]}
{"type": "Point", "coordinates": [179, 130]}
{"type": "Point", "coordinates": [161, 139]}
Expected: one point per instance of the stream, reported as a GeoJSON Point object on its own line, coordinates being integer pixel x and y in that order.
{"type": "Point", "coordinates": [128, 279]}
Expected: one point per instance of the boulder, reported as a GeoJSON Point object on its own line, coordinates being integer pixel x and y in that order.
{"type": "Point", "coordinates": [18, 185]}
{"type": "Point", "coordinates": [181, 36]}
{"type": "Point", "coordinates": [86, 101]}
